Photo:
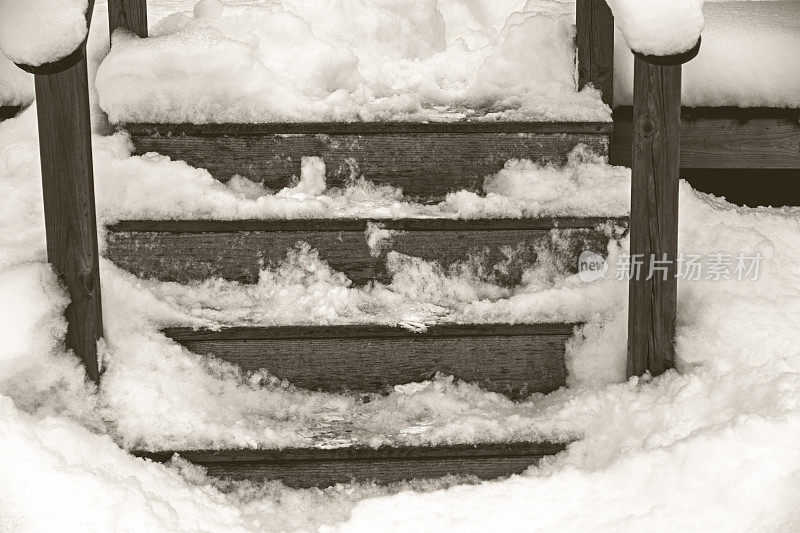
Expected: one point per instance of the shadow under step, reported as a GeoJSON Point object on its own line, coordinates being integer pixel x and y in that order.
{"type": "Point", "coordinates": [193, 250]}
{"type": "Point", "coordinates": [426, 160]}
{"type": "Point", "coordinates": [315, 467]}
{"type": "Point", "coordinates": [515, 360]}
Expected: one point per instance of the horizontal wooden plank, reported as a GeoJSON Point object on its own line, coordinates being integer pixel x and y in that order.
{"type": "Point", "coordinates": [515, 360]}
{"type": "Point", "coordinates": [185, 251]}
{"type": "Point", "coordinates": [364, 128]}
{"type": "Point", "coordinates": [427, 162]}
{"type": "Point", "coordinates": [725, 138]}
{"type": "Point", "coordinates": [9, 111]}
{"type": "Point", "coordinates": [314, 467]}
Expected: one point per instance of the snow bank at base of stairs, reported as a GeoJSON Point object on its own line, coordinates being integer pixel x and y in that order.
{"type": "Point", "coordinates": [748, 58]}
{"type": "Point", "coordinates": [351, 60]}
{"type": "Point", "coordinates": [34, 32]}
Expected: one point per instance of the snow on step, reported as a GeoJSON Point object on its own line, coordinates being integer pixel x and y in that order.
{"type": "Point", "coordinates": [192, 250]}
{"type": "Point", "coordinates": [315, 467]}
{"type": "Point", "coordinates": [515, 360]}
{"type": "Point", "coordinates": [426, 160]}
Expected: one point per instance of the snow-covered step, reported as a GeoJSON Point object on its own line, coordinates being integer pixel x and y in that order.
{"type": "Point", "coordinates": [515, 360]}
{"type": "Point", "coordinates": [189, 250]}
{"type": "Point", "coordinates": [316, 467]}
{"type": "Point", "coordinates": [426, 160]}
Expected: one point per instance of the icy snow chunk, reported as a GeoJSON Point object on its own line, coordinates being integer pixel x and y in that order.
{"type": "Point", "coordinates": [312, 180]}
{"type": "Point", "coordinates": [659, 27]}
{"type": "Point", "coordinates": [41, 31]}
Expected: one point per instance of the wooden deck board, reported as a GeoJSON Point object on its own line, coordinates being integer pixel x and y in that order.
{"type": "Point", "coordinates": [515, 360]}
{"type": "Point", "coordinates": [185, 251]}
{"type": "Point", "coordinates": [426, 160]}
{"type": "Point", "coordinates": [314, 467]}
{"type": "Point", "coordinates": [725, 138]}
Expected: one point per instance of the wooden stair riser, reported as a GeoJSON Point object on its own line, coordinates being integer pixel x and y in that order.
{"type": "Point", "coordinates": [427, 161]}
{"type": "Point", "coordinates": [184, 252]}
{"type": "Point", "coordinates": [306, 468]}
{"type": "Point", "coordinates": [515, 360]}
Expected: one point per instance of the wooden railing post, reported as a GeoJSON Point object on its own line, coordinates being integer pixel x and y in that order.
{"type": "Point", "coordinates": [65, 145]}
{"type": "Point", "coordinates": [595, 42]}
{"type": "Point", "coordinates": [655, 173]}
{"type": "Point", "coordinates": [129, 14]}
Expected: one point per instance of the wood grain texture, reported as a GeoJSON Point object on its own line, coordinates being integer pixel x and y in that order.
{"type": "Point", "coordinates": [128, 14]}
{"type": "Point", "coordinates": [65, 145]}
{"type": "Point", "coordinates": [724, 138]}
{"type": "Point", "coordinates": [425, 164]}
{"type": "Point", "coordinates": [515, 360]}
{"type": "Point", "coordinates": [595, 41]}
{"type": "Point", "coordinates": [185, 251]}
{"type": "Point", "coordinates": [8, 111]}
{"type": "Point", "coordinates": [313, 467]}
{"type": "Point", "coordinates": [654, 217]}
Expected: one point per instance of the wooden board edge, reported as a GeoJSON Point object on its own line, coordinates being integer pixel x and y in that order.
{"type": "Point", "coordinates": [366, 331]}
{"type": "Point", "coordinates": [358, 453]}
{"type": "Point", "coordinates": [360, 225]}
{"type": "Point", "coordinates": [366, 128]}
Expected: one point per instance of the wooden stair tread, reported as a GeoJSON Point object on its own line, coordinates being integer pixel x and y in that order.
{"type": "Point", "coordinates": [190, 250]}
{"type": "Point", "coordinates": [315, 467]}
{"type": "Point", "coordinates": [512, 359]}
{"type": "Point", "coordinates": [426, 160]}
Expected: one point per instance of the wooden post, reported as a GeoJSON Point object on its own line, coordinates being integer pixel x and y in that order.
{"type": "Point", "coordinates": [65, 144]}
{"type": "Point", "coordinates": [129, 14]}
{"type": "Point", "coordinates": [595, 41]}
{"type": "Point", "coordinates": [653, 290]}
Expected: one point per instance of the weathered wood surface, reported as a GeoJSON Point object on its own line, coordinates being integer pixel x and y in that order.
{"type": "Point", "coordinates": [314, 467]}
{"type": "Point", "coordinates": [128, 14]}
{"type": "Point", "coordinates": [185, 251]}
{"type": "Point", "coordinates": [426, 160]}
{"type": "Point", "coordinates": [654, 218]}
{"type": "Point", "coordinates": [65, 145]}
{"type": "Point", "coordinates": [515, 360]}
{"type": "Point", "coordinates": [595, 42]}
{"type": "Point", "coordinates": [724, 138]}
{"type": "Point", "coordinates": [8, 111]}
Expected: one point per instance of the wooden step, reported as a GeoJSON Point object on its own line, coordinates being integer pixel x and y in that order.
{"type": "Point", "coordinates": [426, 160]}
{"type": "Point", "coordinates": [314, 467]}
{"type": "Point", "coordinates": [189, 250]}
{"type": "Point", "coordinates": [515, 360]}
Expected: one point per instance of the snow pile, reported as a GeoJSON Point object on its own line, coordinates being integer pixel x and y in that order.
{"type": "Point", "coordinates": [350, 60]}
{"type": "Point", "coordinates": [154, 187]}
{"type": "Point", "coordinates": [34, 32]}
{"type": "Point", "coordinates": [659, 27]}
{"type": "Point", "coordinates": [748, 58]}
{"type": "Point", "coordinates": [16, 86]}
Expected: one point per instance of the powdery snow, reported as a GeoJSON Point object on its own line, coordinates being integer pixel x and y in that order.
{"type": "Point", "coordinates": [350, 60]}
{"type": "Point", "coordinates": [748, 58]}
{"type": "Point", "coordinates": [34, 32]}
{"type": "Point", "coordinates": [659, 27]}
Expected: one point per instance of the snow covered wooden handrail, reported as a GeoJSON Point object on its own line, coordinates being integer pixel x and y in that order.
{"type": "Point", "coordinates": [654, 210]}
{"type": "Point", "coordinates": [128, 14]}
{"type": "Point", "coordinates": [65, 145]}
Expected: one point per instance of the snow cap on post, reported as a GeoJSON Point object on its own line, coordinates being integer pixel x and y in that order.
{"type": "Point", "coordinates": [659, 27]}
{"type": "Point", "coordinates": [38, 32]}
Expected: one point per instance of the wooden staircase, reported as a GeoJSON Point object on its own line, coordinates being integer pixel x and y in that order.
{"type": "Point", "coordinates": [427, 161]}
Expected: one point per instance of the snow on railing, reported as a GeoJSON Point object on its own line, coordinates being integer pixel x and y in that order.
{"type": "Point", "coordinates": [659, 27]}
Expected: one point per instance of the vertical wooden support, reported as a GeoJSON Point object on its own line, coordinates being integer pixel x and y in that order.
{"type": "Point", "coordinates": [654, 217]}
{"type": "Point", "coordinates": [595, 41]}
{"type": "Point", "coordinates": [129, 14]}
{"type": "Point", "coordinates": [65, 145]}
